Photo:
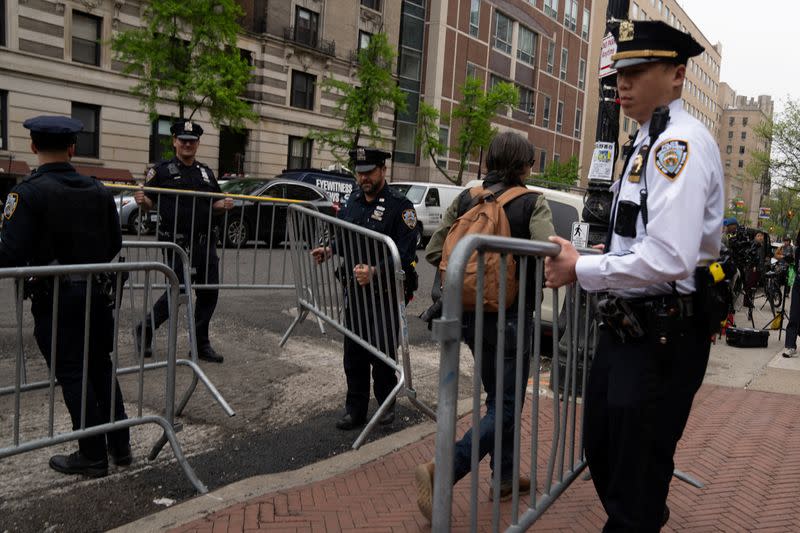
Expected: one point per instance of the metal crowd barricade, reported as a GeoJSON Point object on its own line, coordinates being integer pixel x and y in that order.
{"type": "Point", "coordinates": [253, 238]}
{"type": "Point", "coordinates": [20, 443]}
{"type": "Point", "coordinates": [319, 293]}
{"type": "Point", "coordinates": [563, 459]}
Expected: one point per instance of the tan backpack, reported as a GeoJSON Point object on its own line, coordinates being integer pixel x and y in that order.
{"type": "Point", "coordinates": [485, 214]}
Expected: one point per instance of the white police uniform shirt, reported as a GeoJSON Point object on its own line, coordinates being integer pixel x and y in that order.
{"type": "Point", "coordinates": [685, 197]}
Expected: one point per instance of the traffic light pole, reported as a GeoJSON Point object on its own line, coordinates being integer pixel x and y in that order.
{"type": "Point", "coordinates": [598, 199]}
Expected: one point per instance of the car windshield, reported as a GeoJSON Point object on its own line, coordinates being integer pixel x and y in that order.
{"type": "Point", "coordinates": [412, 192]}
{"type": "Point", "coordinates": [241, 186]}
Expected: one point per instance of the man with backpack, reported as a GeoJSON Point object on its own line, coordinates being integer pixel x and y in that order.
{"type": "Point", "coordinates": [501, 206]}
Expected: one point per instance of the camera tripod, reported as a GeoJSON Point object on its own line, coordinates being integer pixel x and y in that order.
{"type": "Point", "coordinates": [773, 291]}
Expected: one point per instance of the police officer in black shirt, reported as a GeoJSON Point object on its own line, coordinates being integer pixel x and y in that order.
{"type": "Point", "coordinates": [380, 208]}
{"type": "Point", "coordinates": [34, 233]}
{"type": "Point", "coordinates": [185, 221]}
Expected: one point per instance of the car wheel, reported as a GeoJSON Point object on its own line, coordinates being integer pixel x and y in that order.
{"type": "Point", "coordinates": [237, 233]}
{"type": "Point", "coordinates": [139, 225]}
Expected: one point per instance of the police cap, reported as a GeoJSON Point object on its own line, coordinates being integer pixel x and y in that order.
{"type": "Point", "coordinates": [366, 159]}
{"type": "Point", "coordinates": [53, 132]}
{"type": "Point", "coordinates": [646, 41]}
{"type": "Point", "coordinates": [186, 130]}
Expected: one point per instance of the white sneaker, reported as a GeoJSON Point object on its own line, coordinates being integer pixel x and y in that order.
{"type": "Point", "coordinates": [789, 352]}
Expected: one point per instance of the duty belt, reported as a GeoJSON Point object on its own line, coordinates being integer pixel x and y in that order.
{"type": "Point", "coordinates": [656, 317]}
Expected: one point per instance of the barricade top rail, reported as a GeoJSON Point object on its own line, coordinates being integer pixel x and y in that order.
{"type": "Point", "coordinates": [200, 194]}
{"type": "Point", "coordinates": [89, 268]}
{"type": "Point", "coordinates": [385, 239]}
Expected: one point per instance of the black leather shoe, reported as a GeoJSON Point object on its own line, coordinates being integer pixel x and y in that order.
{"type": "Point", "coordinates": [347, 422]}
{"type": "Point", "coordinates": [121, 456]}
{"type": "Point", "coordinates": [387, 418]}
{"type": "Point", "coordinates": [148, 338]}
{"type": "Point", "coordinates": [76, 463]}
{"type": "Point", "coordinates": [208, 354]}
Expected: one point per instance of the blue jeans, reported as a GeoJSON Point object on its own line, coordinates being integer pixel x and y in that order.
{"type": "Point", "coordinates": [463, 449]}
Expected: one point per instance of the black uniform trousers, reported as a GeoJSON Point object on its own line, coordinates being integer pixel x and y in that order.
{"type": "Point", "coordinates": [69, 362]}
{"type": "Point", "coordinates": [638, 399]}
{"type": "Point", "coordinates": [376, 321]}
{"type": "Point", "coordinates": [206, 299]}
{"type": "Point", "coordinates": [794, 317]}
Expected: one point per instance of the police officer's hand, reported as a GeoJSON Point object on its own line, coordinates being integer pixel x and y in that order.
{"type": "Point", "coordinates": [321, 254]}
{"type": "Point", "coordinates": [226, 204]}
{"type": "Point", "coordinates": [140, 199]}
{"type": "Point", "coordinates": [364, 274]}
{"type": "Point", "coordinates": [560, 270]}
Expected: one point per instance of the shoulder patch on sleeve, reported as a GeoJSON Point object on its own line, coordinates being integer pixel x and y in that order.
{"type": "Point", "coordinates": [671, 157]}
{"type": "Point", "coordinates": [410, 218]}
{"type": "Point", "coordinates": [150, 174]}
{"type": "Point", "coordinates": [11, 205]}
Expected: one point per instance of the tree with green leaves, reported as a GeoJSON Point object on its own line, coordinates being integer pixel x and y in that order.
{"type": "Point", "coordinates": [471, 117]}
{"type": "Point", "coordinates": [187, 53]}
{"type": "Point", "coordinates": [782, 135]}
{"type": "Point", "coordinates": [358, 105]}
{"type": "Point", "coordinates": [783, 204]}
{"type": "Point", "coordinates": [558, 175]}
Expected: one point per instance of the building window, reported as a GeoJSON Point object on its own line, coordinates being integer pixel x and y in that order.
{"type": "Point", "coordinates": [299, 153]}
{"type": "Point", "coordinates": [582, 74]}
{"type": "Point", "coordinates": [744, 135]}
{"type": "Point", "coordinates": [731, 121]}
{"type": "Point", "coordinates": [88, 142]}
{"type": "Point", "coordinates": [303, 90]}
{"type": "Point", "coordinates": [571, 14]}
{"type": "Point", "coordinates": [444, 139]}
{"type": "Point", "coordinates": [729, 149]}
{"type": "Point", "coordinates": [744, 121]}
{"type": "Point", "coordinates": [526, 45]}
{"type": "Point", "coordinates": [472, 71]}
{"type": "Point", "coordinates": [730, 135]}
{"type": "Point", "coordinates": [2, 22]}
{"type": "Point", "coordinates": [741, 164]}
{"type": "Point", "coordinates": [363, 39]}
{"type": "Point", "coordinates": [563, 68]}
{"type": "Point", "coordinates": [585, 25]}
{"type": "Point", "coordinates": [474, 17]}
{"type": "Point", "coordinates": [306, 27]}
{"type": "Point", "coordinates": [551, 8]}
{"type": "Point", "coordinates": [546, 112]}
{"type": "Point", "coordinates": [406, 138]}
{"type": "Point", "coordinates": [559, 116]}
{"type": "Point", "coordinates": [525, 100]}
{"type": "Point", "coordinates": [551, 56]}
{"type": "Point", "coordinates": [160, 140]}
{"type": "Point", "coordinates": [410, 64]}
{"type": "Point", "coordinates": [542, 159]}
{"type": "Point", "coordinates": [502, 32]}
{"type": "Point", "coordinates": [372, 4]}
{"type": "Point", "coordinates": [578, 119]}
{"type": "Point", "coordinates": [86, 38]}
{"type": "Point", "coordinates": [741, 150]}
{"type": "Point", "coordinates": [728, 163]}
{"type": "Point", "coordinates": [3, 120]}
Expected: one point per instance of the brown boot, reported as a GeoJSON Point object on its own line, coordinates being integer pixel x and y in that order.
{"type": "Point", "coordinates": [507, 489]}
{"type": "Point", "coordinates": [423, 476]}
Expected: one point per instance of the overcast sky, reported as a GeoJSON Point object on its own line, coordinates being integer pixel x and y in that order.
{"type": "Point", "coordinates": [758, 43]}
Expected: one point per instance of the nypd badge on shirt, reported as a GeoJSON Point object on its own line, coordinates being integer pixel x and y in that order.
{"type": "Point", "coordinates": [671, 157]}
{"type": "Point", "coordinates": [11, 205]}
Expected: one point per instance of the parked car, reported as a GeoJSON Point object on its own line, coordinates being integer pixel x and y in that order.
{"type": "Point", "coordinates": [248, 222]}
{"type": "Point", "coordinates": [337, 185]}
{"type": "Point", "coordinates": [430, 201]}
{"type": "Point", "coordinates": [131, 218]}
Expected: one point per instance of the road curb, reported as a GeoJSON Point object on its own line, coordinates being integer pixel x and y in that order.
{"type": "Point", "coordinates": [250, 488]}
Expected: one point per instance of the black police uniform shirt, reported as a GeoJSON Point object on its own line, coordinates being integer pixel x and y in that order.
{"type": "Point", "coordinates": [173, 174]}
{"type": "Point", "coordinates": [391, 214]}
{"type": "Point", "coordinates": [685, 206]}
{"type": "Point", "coordinates": [58, 215]}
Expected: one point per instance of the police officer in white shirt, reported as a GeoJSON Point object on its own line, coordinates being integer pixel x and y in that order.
{"type": "Point", "coordinates": [657, 319]}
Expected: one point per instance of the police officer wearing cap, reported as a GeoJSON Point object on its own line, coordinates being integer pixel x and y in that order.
{"type": "Point", "coordinates": [380, 208]}
{"type": "Point", "coordinates": [34, 233]}
{"type": "Point", "coordinates": [655, 339]}
{"type": "Point", "coordinates": [185, 221]}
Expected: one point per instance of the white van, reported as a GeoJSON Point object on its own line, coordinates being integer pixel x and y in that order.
{"type": "Point", "coordinates": [430, 200]}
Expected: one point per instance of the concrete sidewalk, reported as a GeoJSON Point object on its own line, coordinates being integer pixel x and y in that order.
{"type": "Point", "coordinates": [742, 443]}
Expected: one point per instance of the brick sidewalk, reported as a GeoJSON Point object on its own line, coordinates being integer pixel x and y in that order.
{"type": "Point", "coordinates": [744, 445]}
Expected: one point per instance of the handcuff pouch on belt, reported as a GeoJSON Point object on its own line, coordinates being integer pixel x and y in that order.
{"type": "Point", "coordinates": [104, 284]}
{"type": "Point", "coordinates": [713, 296]}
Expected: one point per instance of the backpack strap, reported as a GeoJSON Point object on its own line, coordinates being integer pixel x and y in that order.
{"type": "Point", "coordinates": [512, 194]}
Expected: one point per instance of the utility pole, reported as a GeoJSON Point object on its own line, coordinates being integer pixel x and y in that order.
{"type": "Point", "coordinates": [598, 199]}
